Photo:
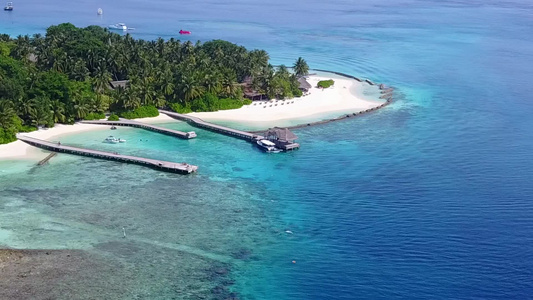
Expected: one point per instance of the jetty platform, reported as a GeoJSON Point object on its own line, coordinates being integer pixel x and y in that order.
{"type": "Point", "coordinates": [212, 127]}
{"type": "Point", "coordinates": [167, 166]}
{"type": "Point", "coordinates": [244, 135]}
{"type": "Point", "coordinates": [131, 123]}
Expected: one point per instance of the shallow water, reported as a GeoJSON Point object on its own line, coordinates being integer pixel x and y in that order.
{"type": "Point", "coordinates": [428, 198]}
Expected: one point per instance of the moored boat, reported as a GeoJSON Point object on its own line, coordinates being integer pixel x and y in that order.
{"type": "Point", "coordinates": [121, 140]}
{"type": "Point", "coordinates": [111, 140]}
{"type": "Point", "coordinates": [120, 26]}
{"type": "Point", "coordinates": [9, 6]}
{"type": "Point", "coordinates": [268, 146]}
{"type": "Point", "coordinates": [99, 11]}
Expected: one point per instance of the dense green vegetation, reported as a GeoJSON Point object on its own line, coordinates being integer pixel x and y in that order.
{"type": "Point", "coordinates": [94, 116]}
{"type": "Point", "coordinates": [209, 102]}
{"type": "Point", "coordinates": [64, 76]}
{"type": "Point", "coordinates": [113, 117]}
{"type": "Point", "coordinates": [140, 112]}
{"type": "Point", "coordinates": [325, 83]}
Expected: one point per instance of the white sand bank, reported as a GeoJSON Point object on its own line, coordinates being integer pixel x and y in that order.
{"type": "Point", "coordinates": [21, 150]}
{"type": "Point", "coordinates": [344, 96]}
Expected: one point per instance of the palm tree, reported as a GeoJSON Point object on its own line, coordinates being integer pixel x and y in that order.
{"type": "Point", "coordinates": [164, 83]}
{"type": "Point", "coordinates": [26, 107]}
{"type": "Point", "coordinates": [300, 67]}
{"type": "Point", "coordinates": [101, 103]}
{"type": "Point", "coordinates": [211, 83]}
{"type": "Point", "coordinates": [58, 111]}
{"type": "Point", "coordinates": [283, 72]}
{"type": "Point", "coordinates": [81, 110]}
{"type": "Point", "coordinates": [258, 60]}
{"type": "Point", "coordinates": [41, 116]}
{"type": "Point", "coordinates": [7, 112]}
{"type": "Point", "coordinates": [190, 88]}
{"type": "Point", "coordinates": [228, 86]}
{"type": "Point", "coordinates": [100, 80]}
{"type": "Point", "coordinates": [22, 48]}
{"type": "Point", "coordinates": [130, 99]}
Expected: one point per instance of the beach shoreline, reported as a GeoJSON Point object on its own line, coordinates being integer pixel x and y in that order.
{"type": "Point", "coordinates": [18, 150]}
{"type": "Point", "coordinates": [346, 96]}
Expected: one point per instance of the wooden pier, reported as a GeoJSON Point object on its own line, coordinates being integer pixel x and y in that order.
{"type": "Point", "coordinates": [181, 168]}
{"type": "Point", "coordinates": [130, 123]}
{"type": "Point", "coordinates": [247, 136]}
{"type": "Point", "coordinates": [194, 121]}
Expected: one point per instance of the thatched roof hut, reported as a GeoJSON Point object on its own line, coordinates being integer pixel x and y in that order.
{"type": "Point", "coordinates": [120, 83]}
{"type": "Point", "coordinates": [304, 85]}
{"type": "Point", "coordinates": [254, 95]}
{"type": "Point", "coordinates": [280, 134]}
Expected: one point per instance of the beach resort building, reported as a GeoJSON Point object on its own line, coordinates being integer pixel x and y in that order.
{"type": "Point", "coordinates": [282, 137]}
{"type": "Point", "coordinates": [304, 85]}
{"type": "Point", "coordinates": [119, 84]}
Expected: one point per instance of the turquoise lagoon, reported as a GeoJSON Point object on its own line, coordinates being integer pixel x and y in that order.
{"type": "Point", "coordinates": [428, 198]}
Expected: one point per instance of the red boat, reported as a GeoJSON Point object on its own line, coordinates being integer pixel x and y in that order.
{"type": "Point", "coordinates": [185, 32]}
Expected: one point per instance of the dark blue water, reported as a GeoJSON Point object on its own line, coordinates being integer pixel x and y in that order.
{"type": "Point", "coordinates": [428, 198]}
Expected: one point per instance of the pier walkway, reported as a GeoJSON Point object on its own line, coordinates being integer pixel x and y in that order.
{"type": "Point", "coordinates": [212, 127]}
{"type": "Point", "coordinates": [247, 136]}
{"type": "Point", "coordinates": [130, 123]}
{"type": "Point", "coordinates": [182, 168]}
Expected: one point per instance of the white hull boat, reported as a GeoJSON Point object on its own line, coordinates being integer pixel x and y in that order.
{"type": "Point", "coordinates": [120, 26]}
{"type": "Point", "coordinates": [111, 140]}
{"type": "Point", "coordinates": [268, 146]}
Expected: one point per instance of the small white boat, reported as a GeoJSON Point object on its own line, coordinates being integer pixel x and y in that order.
{"type": "Point", "coordinates": [120, 26]}
{"type": "Point", "coordinates": [121, 140]}
{"type": "Point", "coordinates": [111, 140]}
{"type": "Point", "coordinates": [100, 12]}
{"type": "Point", "coordinates": [268, 146]}
{"type": "Point", "coordinates": [9, 6]}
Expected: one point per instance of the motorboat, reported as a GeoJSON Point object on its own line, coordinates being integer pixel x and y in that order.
{"type": "Point", "coordinates": [191, 134]}
{"type": "Point", "coordinates": [120, 26]}
{"type": "Point", "coordinates": [268, 146]}
{"type": "Point", "coordinates": [100, 12]}
{"type": "Point", "coordinates": [121, 140]}
{"type": "Point", "coordinates": [113, 128]}
{"type": "Point", "coordinates": [9, 6]}
{"type": "Point", "coordinates": [111, 140]}
{"type": "Point", "coordinates": [184, 31]}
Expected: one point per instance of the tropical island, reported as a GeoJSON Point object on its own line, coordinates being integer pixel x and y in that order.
{"type": "Point", "coordinates": [65, 76]}
{"type": "Point", "coordinates": [73, 74]}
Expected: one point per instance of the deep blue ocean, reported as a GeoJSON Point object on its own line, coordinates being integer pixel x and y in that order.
{"type": "Point", "coordinates": [429, 198]}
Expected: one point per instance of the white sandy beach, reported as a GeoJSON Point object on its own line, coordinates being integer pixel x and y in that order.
{"type": "Point", "coordinates": [343, 97]}
{"type": "Point", "coordinates": [21, 150]}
